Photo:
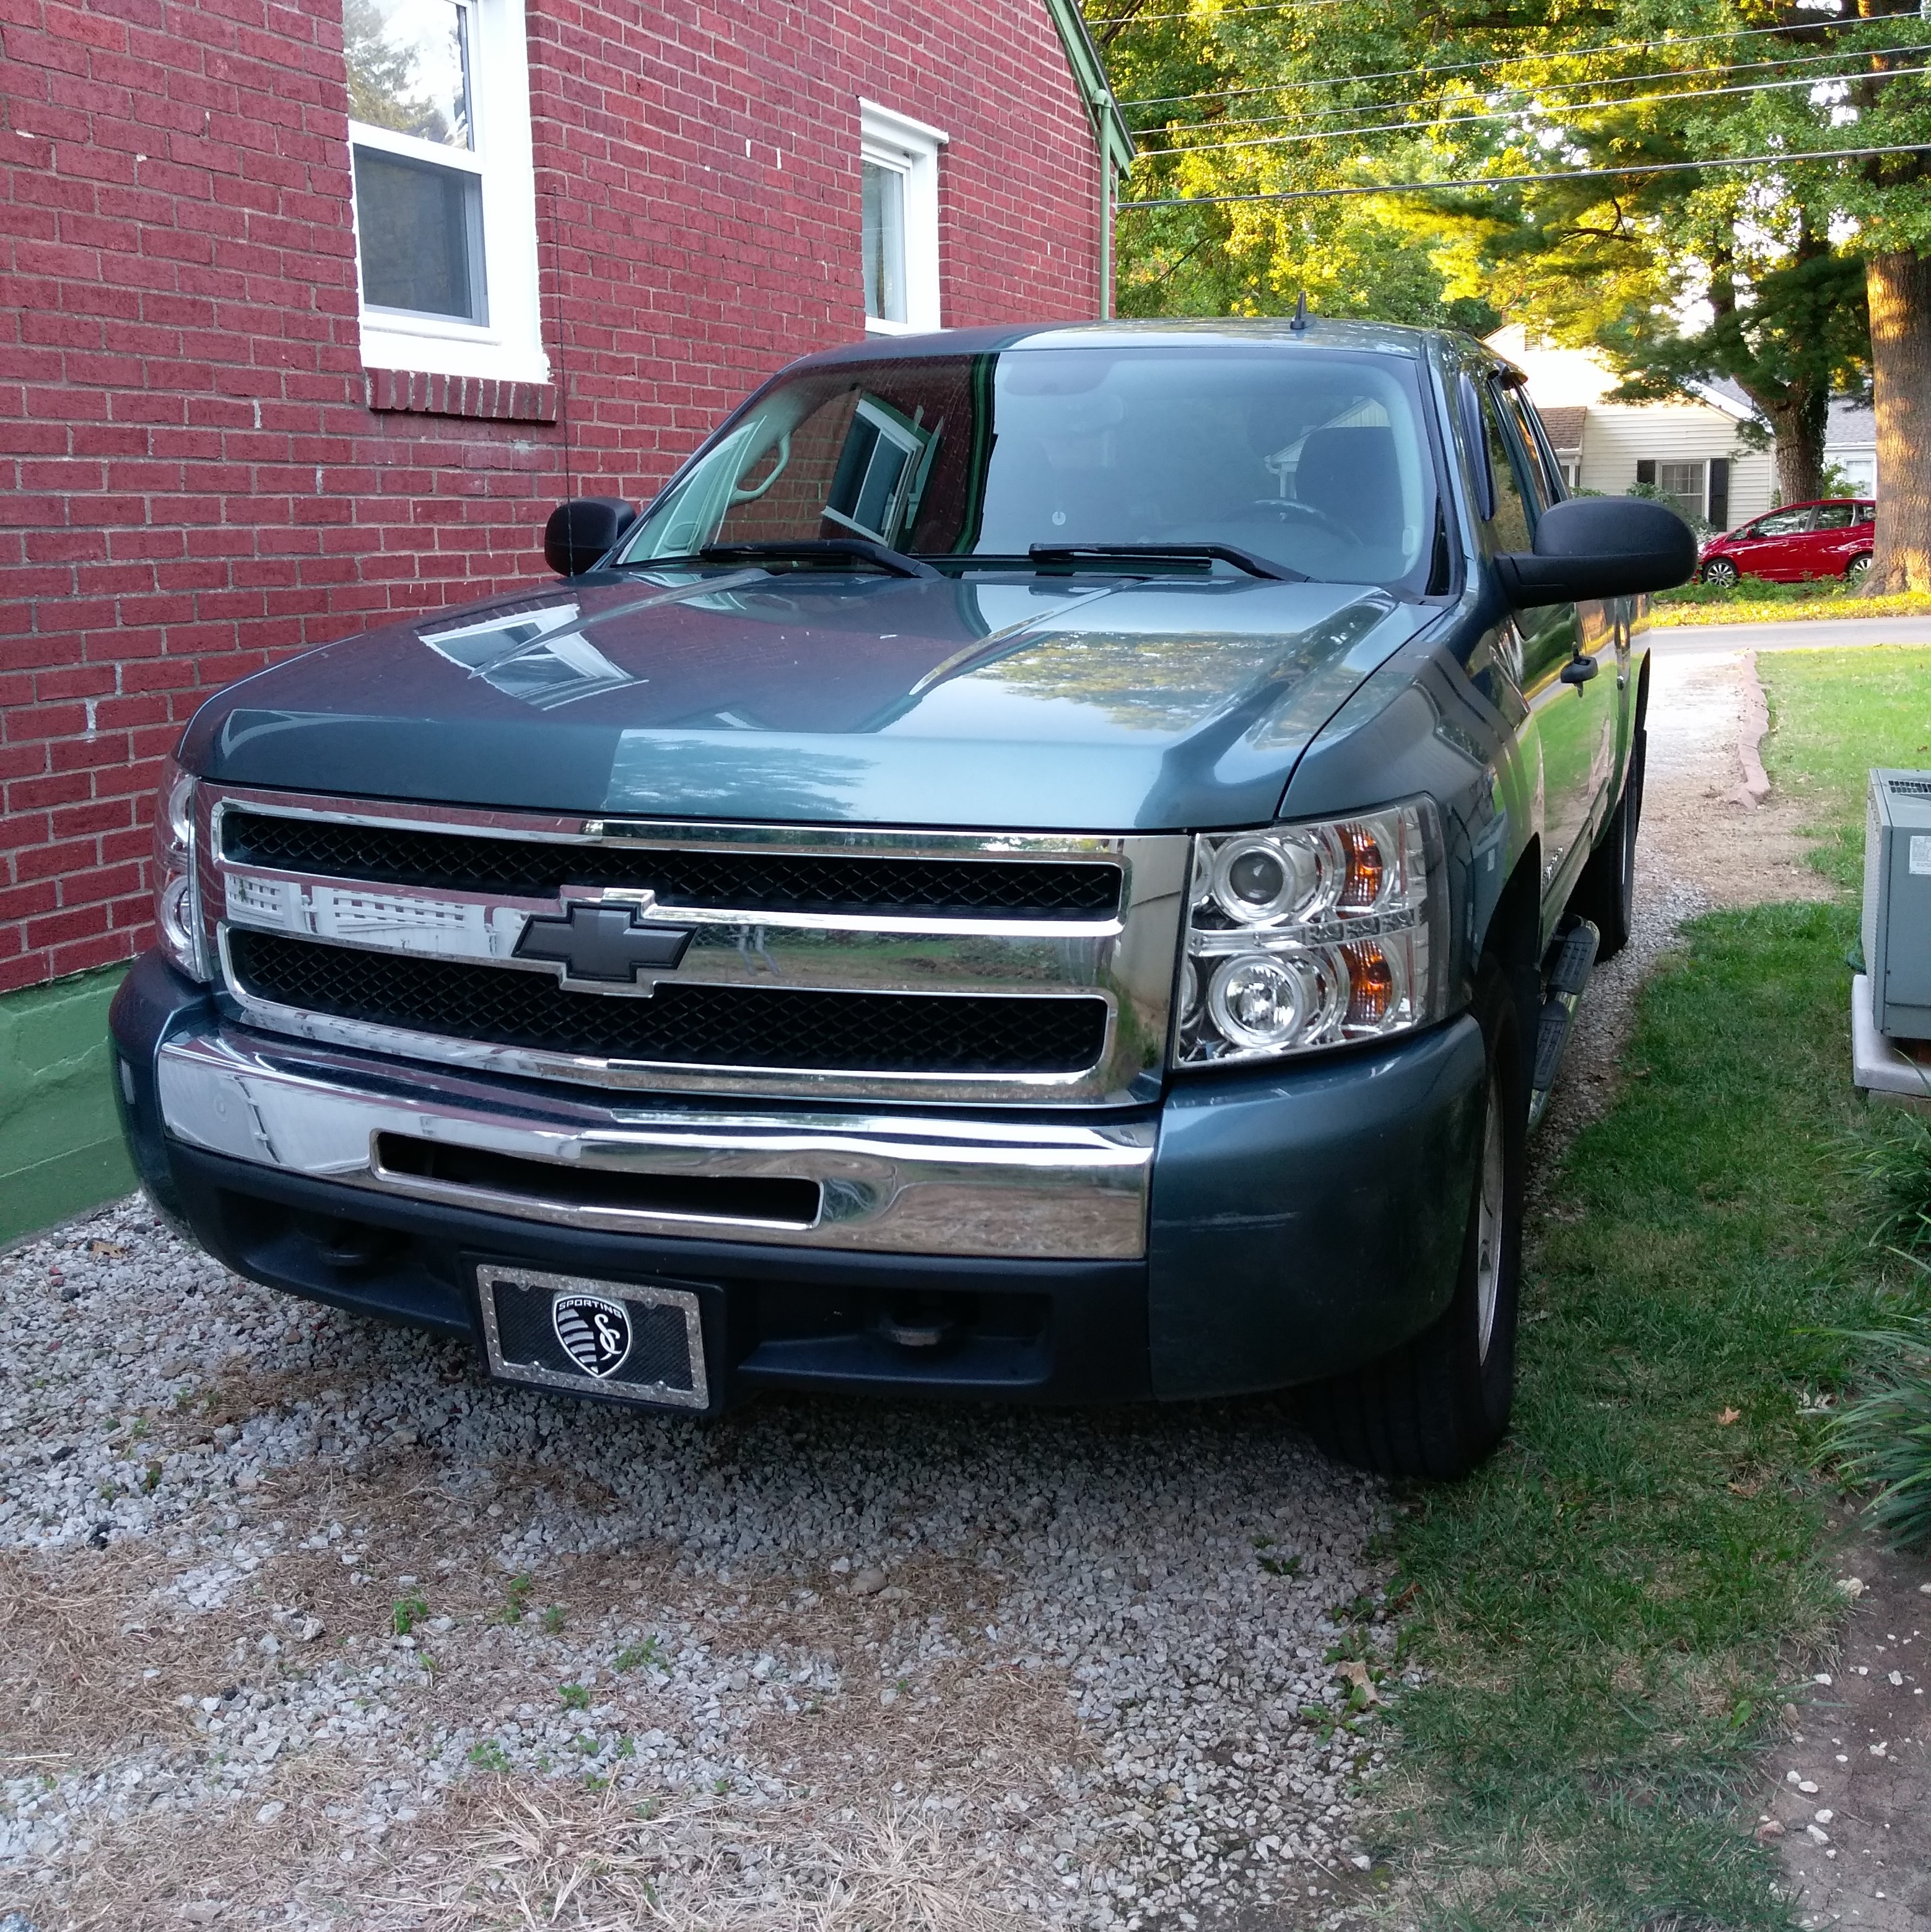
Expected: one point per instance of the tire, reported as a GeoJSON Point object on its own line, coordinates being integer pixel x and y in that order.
{"type": "Point", "coordinates": [1858, 569]}
{"type": "Point", "coordinates": [1720, 572]}
{"type": "Point", "coordinates": [1606, 894]}
{"type": "Point", "coordinates": [1436, 1406]}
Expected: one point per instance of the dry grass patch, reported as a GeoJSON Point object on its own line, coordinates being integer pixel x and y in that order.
{"type": "Point", "coordinates": [79, 1633]}
{"type": "Point", "coordinates": [521, 1858]}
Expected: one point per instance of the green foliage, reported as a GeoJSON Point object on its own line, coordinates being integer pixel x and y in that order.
{"type": "Point", "coordinates": [1899, 1163]}
{"type": "Point", "coordinates": [553, 1619]}
{"type": "Point", "coordinates": [516, 1598]}
{"type": "Point", "coordinates": [650, 1654]}
{"type": "Point", "coordinates": [408, 1611]}
{"type": "Point", "coordinates": [1884, 1438]}
{"type": "Point", "coordinates": [576, 1697]}
{"type": "Point", "coordinates": [489, 1755]}
{"type": "Point", "coordinates": [1752, 273]}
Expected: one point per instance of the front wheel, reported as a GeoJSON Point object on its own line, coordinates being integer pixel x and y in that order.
{"type": "Point", "coordinates": [1436, 1406]}
{"type": "Point", "coordinates": [1720, 572]}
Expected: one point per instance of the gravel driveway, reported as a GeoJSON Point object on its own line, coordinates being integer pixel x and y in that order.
{"type": "Point", "coordinates": [308, 1624]}
{"type": "Point", "coordinates": [923, 1665]}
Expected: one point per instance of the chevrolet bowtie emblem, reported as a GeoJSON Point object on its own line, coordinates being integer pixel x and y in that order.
{"type": "Point", "coordinates": [606, 945]}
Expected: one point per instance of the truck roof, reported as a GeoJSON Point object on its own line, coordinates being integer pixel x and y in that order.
{"type": "Point", "coordinates": [1386, 338]}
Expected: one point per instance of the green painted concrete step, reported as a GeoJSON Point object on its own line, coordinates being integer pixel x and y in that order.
{"type": "Point", "coordinates": [60, 1142]}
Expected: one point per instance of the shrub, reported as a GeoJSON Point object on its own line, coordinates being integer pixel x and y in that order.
{"type": "Point", "coordinates": [1884, 1436]}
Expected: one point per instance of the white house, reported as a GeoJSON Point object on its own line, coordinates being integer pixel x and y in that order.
{"type": "Point", "coordinates": [1850, 444]}
{"type": "Point", "coordinates": [1689, 450]}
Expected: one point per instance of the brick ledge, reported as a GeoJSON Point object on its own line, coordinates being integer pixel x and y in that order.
{"type": "Point", "coordinates": [417, 392]}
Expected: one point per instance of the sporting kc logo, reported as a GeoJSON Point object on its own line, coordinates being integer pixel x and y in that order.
{"type": "Point", "coordinates": [596, 1333]}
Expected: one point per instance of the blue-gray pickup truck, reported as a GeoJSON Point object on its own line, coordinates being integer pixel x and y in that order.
{"type": "Point", "coordinates": [1049, 863]}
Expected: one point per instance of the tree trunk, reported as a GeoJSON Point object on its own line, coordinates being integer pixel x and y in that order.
{"type": "Point", "coordinates": [1899, 285]}
{"type": "Point", "coordinates": [1799, 418]}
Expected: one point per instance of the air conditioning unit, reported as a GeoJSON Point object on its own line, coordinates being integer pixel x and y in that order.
{"type": "Point", "coordinates": [1891, 1000]}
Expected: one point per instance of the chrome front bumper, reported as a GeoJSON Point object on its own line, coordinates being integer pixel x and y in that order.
{"type": "Point", "coordinates": [884, 1183]}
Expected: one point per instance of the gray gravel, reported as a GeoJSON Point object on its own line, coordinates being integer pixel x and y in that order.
{"type": "Point", "coordinates": [1089, 1652]}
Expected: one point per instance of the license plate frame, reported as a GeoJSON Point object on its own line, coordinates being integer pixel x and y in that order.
{"type": "Point", "coordinates": [549, 1351]}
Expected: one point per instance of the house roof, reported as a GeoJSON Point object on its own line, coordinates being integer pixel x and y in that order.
{"type": "Point", "coordinates": [1565, 426]}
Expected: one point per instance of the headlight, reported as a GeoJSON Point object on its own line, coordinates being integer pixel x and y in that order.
{"type": "Point", "coordinates": [1304, 937]}
{"type": "Point", "coordinates": [177, 911]}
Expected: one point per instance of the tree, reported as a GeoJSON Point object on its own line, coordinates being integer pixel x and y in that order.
{"type": "Point", "coordinates": [1762, 260]}
{"type": "Point", "coordinates": [1891, 200]}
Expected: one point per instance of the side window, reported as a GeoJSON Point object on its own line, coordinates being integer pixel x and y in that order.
{"type": "Point", "coordinates": [1513, 525]}
{"type": "Point", "coordinates": [1834, 516]}
{"type": "Point", "coordinates": [444, 187]}
{"type": "Point", "coordinates": [1782, 523]}
{"type": "Point", "coordinates": [1535, 442]}
{"type": "Point", "coordinates": [898, 169]}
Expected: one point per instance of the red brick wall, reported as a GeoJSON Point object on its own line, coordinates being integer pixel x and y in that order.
{"type": "Point", "coordinates": [192, 481]}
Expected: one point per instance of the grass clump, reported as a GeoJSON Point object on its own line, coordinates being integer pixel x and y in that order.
{"type": "Point", "coordinates": [1884, 1438]}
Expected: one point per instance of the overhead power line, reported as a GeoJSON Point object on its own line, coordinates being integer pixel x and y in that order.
{"type": "Point", "coordinates": [1226, 12]}
{"type": "Point", "coordinates": [1506, 60]}
{"type": "Point", "coordinates": [1541, 88]}
{"type": "Point", "coordinates": [1574, 107]}
{"type": "Point", "coordinates": [1557, 175]}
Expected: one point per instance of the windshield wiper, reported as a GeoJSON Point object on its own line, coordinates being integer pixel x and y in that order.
{"type": "Point", "coordinates": [1172, 555]}
{"type": "Point", "coordinates": [821, 549]}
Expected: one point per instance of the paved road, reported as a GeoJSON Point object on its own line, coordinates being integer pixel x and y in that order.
{"type": "Point", "coordinates": [1800, 633]}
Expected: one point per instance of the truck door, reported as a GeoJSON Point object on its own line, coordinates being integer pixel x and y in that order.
{"type": "Point", "coordinates": [1576, 720]}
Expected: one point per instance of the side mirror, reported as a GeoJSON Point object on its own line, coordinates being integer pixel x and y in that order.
{"type": "Point", "coordinates": [581, 531]}
{"type": "Point", "coordinates": [1600, 547]}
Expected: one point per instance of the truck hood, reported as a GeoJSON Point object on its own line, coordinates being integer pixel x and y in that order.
{"type": "Point", "coordinates": [1062, 703]}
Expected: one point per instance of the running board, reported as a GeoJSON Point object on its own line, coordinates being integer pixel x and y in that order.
{"type": "Point", "coordinates": [1570, 962]}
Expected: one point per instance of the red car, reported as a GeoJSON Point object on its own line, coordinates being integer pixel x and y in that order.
{"type": "Point", "coordinates": [1831, 538]}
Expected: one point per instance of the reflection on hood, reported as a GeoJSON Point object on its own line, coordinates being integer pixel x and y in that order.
{"type": "Point", "coordinates": [531, 656]}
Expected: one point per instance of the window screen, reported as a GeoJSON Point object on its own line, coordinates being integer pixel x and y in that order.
{"type": "Point", "coordinates": [884, 243]}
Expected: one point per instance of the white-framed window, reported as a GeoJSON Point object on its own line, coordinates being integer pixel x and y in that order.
{"type": "Point", "coordinates": [899, 162]}
{"type": "Point", "coordinates": [1685, 487]}
{"type": "Point", "coordinates": [444, 187]}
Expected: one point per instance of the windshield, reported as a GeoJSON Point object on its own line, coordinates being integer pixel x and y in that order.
{"type": "Point", "coordinates": [1315, 460]}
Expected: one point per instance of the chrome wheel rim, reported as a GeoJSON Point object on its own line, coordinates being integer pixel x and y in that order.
{"type": "Point", "coordinates": [1489, 1226]}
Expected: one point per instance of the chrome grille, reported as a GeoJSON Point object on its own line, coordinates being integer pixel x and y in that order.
{"type": "Point", "coordinates": [1000, 968]}
{"type": "Point", "coordinates": [747, 881]}
{"type": "Point", "coordinates": [738, 1027]}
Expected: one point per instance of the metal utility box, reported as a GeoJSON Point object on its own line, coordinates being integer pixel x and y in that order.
{"type": "Point", "coordinates": [1897, 903]}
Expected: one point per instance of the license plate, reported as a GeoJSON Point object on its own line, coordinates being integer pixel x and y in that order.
{"type": "Point", "coordinates": [637, 1342]}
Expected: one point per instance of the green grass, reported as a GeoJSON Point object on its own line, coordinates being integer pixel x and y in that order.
{"type": "Point", "coordinates": [1610, 1611]}
{"type": "Point", "coordinates": [1833, 715]}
